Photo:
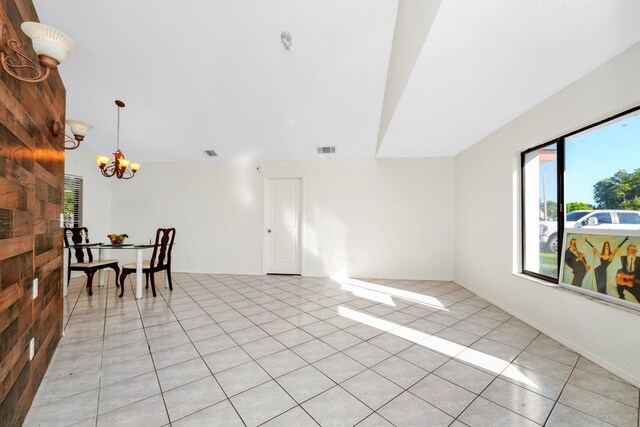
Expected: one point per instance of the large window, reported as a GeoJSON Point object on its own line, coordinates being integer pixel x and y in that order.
{"type": "Point", "coordinates": [72, 201]}
{"type": "Point", "coordinates": [587, 179]}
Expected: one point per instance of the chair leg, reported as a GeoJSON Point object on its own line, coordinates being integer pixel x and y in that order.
{"type": "Point", "coordinates": [116, 269]}
{"type": "Point", "coordinates": [90, 274]}
{"type": "Point", "coordinates": [153, 284]}
{"type": "Point", "coordinates": [123, 275]}
{"type": "Point", "coordinates": [169, 277]}
{"type": "Point", "coordinates": [146, 276]}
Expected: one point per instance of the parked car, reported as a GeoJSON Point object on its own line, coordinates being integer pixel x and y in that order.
{"type": "Point", "coordinates": [598, 219]}
{"type": "Point", "coordinates": [549, 236]}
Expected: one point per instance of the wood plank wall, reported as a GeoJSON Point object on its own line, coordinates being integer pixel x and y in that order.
{"type": "Point", "coordinates": [31, 194]}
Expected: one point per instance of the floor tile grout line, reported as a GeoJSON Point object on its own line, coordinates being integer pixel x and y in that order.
{"type": "Point", "coordinates": [308, 364]}
{"type": "Point", "coordinates": [102, 358]}
{"type": "Point", "coordinates": [478, 395]}
{"type": "Point", "coordinates": [338, 351]}
{"type": "Point", "coordinates": [352, 358]}
{"type": "Point", "coordinates": [557, 401]}
{"type": "Point", "coordinates": [595, 392]}
{"type": "Point", "coordinates": [261, 367]}
{"type": "Point", "coordinates": [71, 395]}
{"type": "Point", "coordinates": [155, 370]}
{"type": "Point", "coordinates": [316, 337]}
{"type": "Point", "coordinates": [343, 329]}
{"type": "Point", "coordinates": [104, 332]}
{"type": "Point", "coordinates": [279, 286]}
{"type": "Point", "coordinates": [64, 327]}
{"type": "Point", "coordinates": [275, 378]}
{"type": "Point", "coordinates": [450, 358]}
{"type": "Point", "coordinates": [202, 358]}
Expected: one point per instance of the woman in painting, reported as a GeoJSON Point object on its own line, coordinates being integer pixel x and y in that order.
{"type": "Point", "coordinates": [606, 256]}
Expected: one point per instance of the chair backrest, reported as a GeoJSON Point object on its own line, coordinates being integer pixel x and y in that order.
{"type": "Point", "coordinates": [78, 236]}
{"type": "Point", "coordinates": [161, 256]}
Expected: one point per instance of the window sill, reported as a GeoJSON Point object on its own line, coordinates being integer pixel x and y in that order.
{"type": "Point", "coordinates": [579, 294]}
{"type": "Point", "coordinates": [536, 280]}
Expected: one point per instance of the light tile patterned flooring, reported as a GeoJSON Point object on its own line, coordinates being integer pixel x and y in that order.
{"type": "Point", "coordinates": [225, 350]}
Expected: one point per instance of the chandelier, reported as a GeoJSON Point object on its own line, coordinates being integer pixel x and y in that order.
{"type": "Point", "coordinates": [119, 167]}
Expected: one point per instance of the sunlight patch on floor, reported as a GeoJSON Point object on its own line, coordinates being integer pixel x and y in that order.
{"type": "Point", "coordinates": [385, 294]}
{"type": "Point", "coordinates": [441, 345]}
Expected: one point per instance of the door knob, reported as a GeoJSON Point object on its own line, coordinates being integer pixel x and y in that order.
{"type": "Point", "coordinates": [269, 231]}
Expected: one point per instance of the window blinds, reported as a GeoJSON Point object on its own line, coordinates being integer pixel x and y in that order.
{"type": "Point", "coordinates": [72, 201]}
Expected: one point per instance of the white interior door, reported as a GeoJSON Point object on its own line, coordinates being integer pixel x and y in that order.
{"type": "Point", "coordinates": [282, 231]}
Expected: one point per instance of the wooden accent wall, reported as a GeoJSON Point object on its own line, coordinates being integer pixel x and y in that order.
{"type": "Point", "coordinates": [31, 194]}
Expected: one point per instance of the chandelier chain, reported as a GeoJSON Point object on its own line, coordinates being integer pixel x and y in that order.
{"type": "Point", "coordinates": [118, 131]}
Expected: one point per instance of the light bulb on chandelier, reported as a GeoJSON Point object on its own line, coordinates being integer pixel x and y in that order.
{"type": "Point", "coordinates": [120, 167]}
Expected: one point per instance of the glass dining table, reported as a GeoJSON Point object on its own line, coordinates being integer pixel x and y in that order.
{"type": "Point", "coordinates": [139, 248]}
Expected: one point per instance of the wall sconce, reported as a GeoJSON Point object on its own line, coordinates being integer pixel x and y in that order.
{"type": "Point", "coordinates": [50, 44]}
{"type": "Point", "coordinates": [78, 129]}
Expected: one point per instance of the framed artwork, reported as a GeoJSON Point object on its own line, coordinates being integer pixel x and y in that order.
{"type": "Point", "coordinates": [603, 264]}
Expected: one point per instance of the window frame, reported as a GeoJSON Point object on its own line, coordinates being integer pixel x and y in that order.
{"type": "Point", "coordinates": [77, 187]}
{"type": "Point", "coordinates": [561, 168]}
{"type": "Point", "coordinates": [560, 196]}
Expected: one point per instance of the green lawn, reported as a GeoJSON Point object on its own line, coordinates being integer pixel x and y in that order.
{"type": "Point", "coordinates": [549, 264]}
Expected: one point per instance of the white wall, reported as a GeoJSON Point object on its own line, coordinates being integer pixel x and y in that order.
{"type": "Point", "coordinates": [374, 218]}
{"type": "Point", "coordinates": [487, 220]}
{"type": "Point", "coordinates": [96, 207]}
{"type": "Point", "coordinates": [96, 215]}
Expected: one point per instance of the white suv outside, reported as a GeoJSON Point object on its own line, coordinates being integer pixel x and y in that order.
{"type": "Point", "coordinates": [602, 219]}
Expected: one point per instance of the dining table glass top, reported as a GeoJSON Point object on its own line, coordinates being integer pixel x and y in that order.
{"type": "Point", "coordinates": [111, 246]}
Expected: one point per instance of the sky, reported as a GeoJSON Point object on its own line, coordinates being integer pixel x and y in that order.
{"type": "Point", "coordinates": [593, 155]}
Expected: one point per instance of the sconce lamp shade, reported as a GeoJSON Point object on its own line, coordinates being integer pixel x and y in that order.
{"type": "Point", "coordinates": [79, 128]}
{"type": "Point", "coordinates": [47, 41]}
{"type": "Point", "coordinates": [135, 166]}
{"type": "Point", "coordinates": [124, 163]}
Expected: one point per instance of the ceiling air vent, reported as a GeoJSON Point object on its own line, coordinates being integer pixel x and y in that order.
{"type": "Point", "coordinates": [211, 153]}
{"type": "Point", "coordinates": [326, 150]}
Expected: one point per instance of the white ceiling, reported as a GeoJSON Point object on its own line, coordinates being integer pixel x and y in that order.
{"type": "Point", "coordinates": [199, 75]}
{"type": "Point", "coordinates": [486, 62]}
{"type": "Point", "coordinates": [202, 75]}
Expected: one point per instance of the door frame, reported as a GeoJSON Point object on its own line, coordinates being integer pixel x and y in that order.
{"type": "Point", "coordinates": [265, 183]}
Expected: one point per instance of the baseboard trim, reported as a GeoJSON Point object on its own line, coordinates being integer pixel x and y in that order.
{"type": "Point", "coordinates": [578, 349]}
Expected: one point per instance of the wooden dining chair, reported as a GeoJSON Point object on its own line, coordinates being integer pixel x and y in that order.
{"type": "Point", "coordinates": [160, 260]}
{"type": "Point", "coordinates": [80, 235]}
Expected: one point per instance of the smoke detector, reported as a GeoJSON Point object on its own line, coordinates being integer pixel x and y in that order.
{"type": "Point", "coordinates": [285, 38]}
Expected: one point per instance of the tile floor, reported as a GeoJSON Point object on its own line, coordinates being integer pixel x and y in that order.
{"type": "Point", "coordinates": [225, 350]}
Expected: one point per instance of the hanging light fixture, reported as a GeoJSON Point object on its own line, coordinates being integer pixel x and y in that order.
{"type": "Point", "coordinates": [50, 44]}
{"type": "Point", "coordinates": [119, 167]}
{"type": "Point", "coordinates": [78, 129]}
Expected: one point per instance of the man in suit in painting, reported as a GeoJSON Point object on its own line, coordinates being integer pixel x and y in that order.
{"type": "Point", "coordinates": [576, 261]}
{"type": "Point", "coordinates": [628, 277]}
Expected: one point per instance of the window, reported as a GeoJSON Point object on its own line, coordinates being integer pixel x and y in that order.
{"type": "Point", "coordinates": [540, 171]}
{"type": "Point", "coordinates": [576, 215]}
{"type": "Point", "coordinates": [589, 173]}
{"type": "Point", "coordinates": [629, 218]}
{"type": "Point", "coordinates": [72, 201]}
{"type": "Point", "coordinates": [603, 217]}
